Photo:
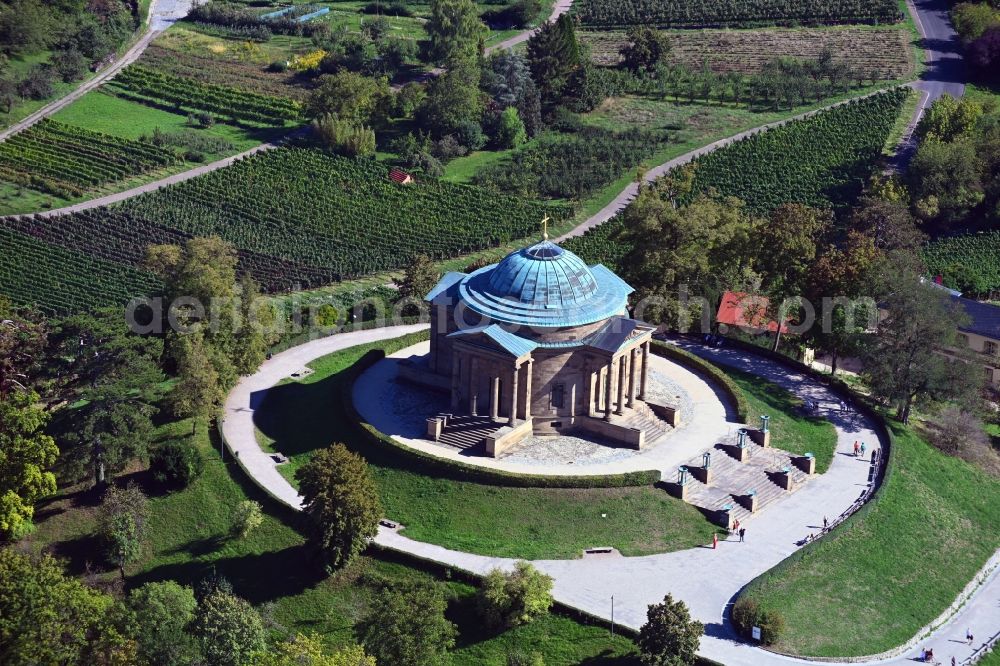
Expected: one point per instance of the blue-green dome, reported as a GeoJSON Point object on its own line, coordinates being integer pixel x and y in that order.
{"type": "Point", "coordinates": [544, 285]}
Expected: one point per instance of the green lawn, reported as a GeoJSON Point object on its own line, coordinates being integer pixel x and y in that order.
{"type": "Point", "coordinates": [875, 581]}
{"type": "Point", "coordinates": [791, 429]}
{"type": "Point", "coordinates": [101, 112]}
{"type": "Point", "coordinates": [188, 538]}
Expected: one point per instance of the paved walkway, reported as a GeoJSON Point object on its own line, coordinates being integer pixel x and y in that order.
{"type": "Point", "coordinates": [162, 15]}
{"type": "Point", "coordinates": [706, 579]}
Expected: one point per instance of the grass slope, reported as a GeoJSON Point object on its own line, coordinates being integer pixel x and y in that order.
{"type": "Point", "coordinates": [873, 583]}
{"type": "Point", "coordinates": [189, 538]}
{"type": "Point", "coordinates": [791, 429]}
{"type": "Point", "coordinates": [298, 418]}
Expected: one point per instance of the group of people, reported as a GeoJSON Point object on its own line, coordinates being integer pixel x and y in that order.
{"type": "Point", "coordinates": [927, 654]}
{"type": "Point", "coordinates": [859, 449]}
{"type": "Point", "coordinates": [736, 529]}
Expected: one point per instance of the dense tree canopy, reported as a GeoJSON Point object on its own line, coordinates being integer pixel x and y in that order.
{"type": "Point", "coordinates": [455, 30]}
{"type": "Point", "coordinates": [553, 55]}
{"type": "Point", "coordinates": [670, 636]}
{"type": "Point", "coordinates": [26, 456]}
{"type": "Point", "coordinates": [407, 626]}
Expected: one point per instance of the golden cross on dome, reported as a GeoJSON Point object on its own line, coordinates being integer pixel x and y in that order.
{"type": "Point", "coordinates": [545, 227]}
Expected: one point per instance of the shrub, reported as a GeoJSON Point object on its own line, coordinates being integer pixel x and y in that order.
{"type": "Point", "coordinates": [176, 463]}
{"type": "Point", "coordinates": [747, 614]}
{"type": "Point", "coordinates": [396, 8]}
{"type": "Point", "coordinates": [407, 626]}
{"type": "Point", "coordinates": [518, 658]}
{"type": "Point", "coordinates": [246, 518]}
{"type": "Point", "coordinates": [36, 84]}
{"type": "Point", "coordinates": [343, 137]}
{"type": "Point", "coordinates": [511, 132]}
{"type": "Point", "coordinates": [514, 598]}
{"type": "Point", "coordinates": [230, 630]}
{"type": "Point", "coordinates": [470, 134]}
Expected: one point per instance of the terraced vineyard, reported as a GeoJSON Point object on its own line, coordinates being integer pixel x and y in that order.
{"type": "Point", "coordinates": [822, 160]}
{"type": "Point", "coordinates": [879, 53]}
{"type": "Point", "coordinates": [733, 13]}
{"type": "Point", "coordinates": [66, 160]}
{"type": "Point", "coordinates": [298, 217]}
{"type": "Point", "coordinates": [226, 103]}
{"type": "Point", "coordinates": [58, 280]}
{"type": "Point", "coordinates": [970, 263]}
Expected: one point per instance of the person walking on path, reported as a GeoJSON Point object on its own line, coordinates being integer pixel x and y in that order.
{"type": "Point", "coordinates": [856, 448]}
{"type": "Point", "coordinates": [862, 450]}
{"type": "Point", "coordinates": [715, 541]}
{"type": "Point", "coordinates": [826, 524]}
{"type": "Point", "coordinates": [743, 532]}
{"type": "Point", "coordinates": [968, 636]}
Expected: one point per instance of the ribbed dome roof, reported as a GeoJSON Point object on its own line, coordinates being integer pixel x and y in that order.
{"type": "Point", "coordinates": [544, 285]}
{"type": "Point", "coordinates": [543, 275]}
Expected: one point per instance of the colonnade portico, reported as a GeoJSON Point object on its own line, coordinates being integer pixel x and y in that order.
{"type": "Point", "coordinates": [507, 395]}
{"type": "Point", "coordinates": [630, 368]}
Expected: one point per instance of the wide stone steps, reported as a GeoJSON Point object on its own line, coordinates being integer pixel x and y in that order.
{"type": "Point", "coordinates": [732, 479]}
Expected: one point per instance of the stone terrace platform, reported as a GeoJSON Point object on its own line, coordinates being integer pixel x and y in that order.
{"type": "Point", "coordinates": [400, 410]}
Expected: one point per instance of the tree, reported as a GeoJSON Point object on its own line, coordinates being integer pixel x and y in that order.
{"type": "Point", "coordinates": [944, 179]}
{"type": "Point", "coordinates": [23, 337]}
{"type": "Point", "coordinates": [350, 97]}
{"type": "Point", "coordinates": [553, 55]}
{"type": "Point", "coordinates": [308, 650]}
{"type": "Point", "coordinates": [948, 119]}
{"type": "Point", "coordinates": [406, 626]}
{"type": "Point", "coordinates": [514, 598]}
{"type": "Point", "coordinates": [904, 361]}
{"type": "Point", "coordinates": [26, 455]}
{"type": "Point", "coordinates": [163, 611]}
{"type": "Point", "coordinates": [455, 30]}
{"type": "Point", "coordinates": [70, 65]}
{"type": "Point", "coordinates": [683, 258]}
{"type": "Point", "coordinates": [670, 637]}
{"type": "Point", "coordinates": [122, 524]}
{"type": "Point", "coordinates": [511, 132]}
{"type": "Point", "coordinates": [420, 276]}
{"type": "Point", "coordinates": [840, 289]}
{"type": "Point", "coordinates": [889, 224]}
{"type": "Point", "coordinates": [452, 99]}
{"type": "Point", "coordinates": [229, 629]}
{"type": "Point", "coordinates": [199, 390]}
{"type": "Point", "coordinates": [984, 54]}
{"type": "Point", "coordinates": [255, 328]}
{"type": "Point", "coordinates": [47, 617]}
{"type": "Point", "coordinates": [343, 137]}
{"type": "Point", "coordinates": [341, 501]}
{"type": "Point", "coordinates": [25, 27]}
{"type": "Point", "coordinates": [787, 249]}
{"type": "Point", "coordinates": [176, 462]}
{"type": "Point", "coordinates": [972, 19]}
{"type": "Point", "coordinates": [507, 80]}
{"type": "Point", "coordinates": [246, 518]}
{"type": "Point", "coordinates": [646, 49]}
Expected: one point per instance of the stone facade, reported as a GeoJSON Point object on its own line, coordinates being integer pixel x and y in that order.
{"type": "Point", "coordinates": [540, 338]}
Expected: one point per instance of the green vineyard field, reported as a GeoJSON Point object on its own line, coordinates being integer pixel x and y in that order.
{"type": "Point", "coordinates": [970, 263]}
{"type": "Point", "coordinates": [733, 13]}
{"type": "Point", "coordinates": [66, 160]}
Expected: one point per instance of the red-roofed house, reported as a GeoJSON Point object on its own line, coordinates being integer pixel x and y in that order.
{"type": "Point", "coordinates": [400, 176]}
{"type": "Point", "coordinates": [746, 311]}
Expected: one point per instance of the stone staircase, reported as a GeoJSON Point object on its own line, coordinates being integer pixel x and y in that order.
{"type": "Point", "coordinates": [642, 418]}
{"type": "Point", "coordinates": [467, 432]}
{"type": "Point", "coordinates": [733, 481]}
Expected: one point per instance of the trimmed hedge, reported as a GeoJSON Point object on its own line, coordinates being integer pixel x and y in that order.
{"type": "Point", "coordinates": [699, 364]}
{"type": "Point", "coordinates": [459, 471]}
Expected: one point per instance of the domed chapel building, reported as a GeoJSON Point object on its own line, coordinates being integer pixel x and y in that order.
{"type": "Point", "coordinates": [541, 344]}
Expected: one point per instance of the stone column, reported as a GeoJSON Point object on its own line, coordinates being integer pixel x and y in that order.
{"type": "Point", "coordinates": [513, 395]}
{"type": "Point", "coordinates": [473, 386]}
{"type": "Point", "coordinates": [588, 387]}
{"type": "Point", "coordinates": [632, 360]}
{"type": "Point", "coordinates": [456, 379]}
{"type": "Point", "coordinates": [494, 398]}
{"type": "Point", "coordinates": [645, 370]}
{"type": "Point", "coordinates": [608, 378]}
{"type": "Point", "coordinates": [529, 366]}
{"type": "Point", "coordinates": [621, 386]}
